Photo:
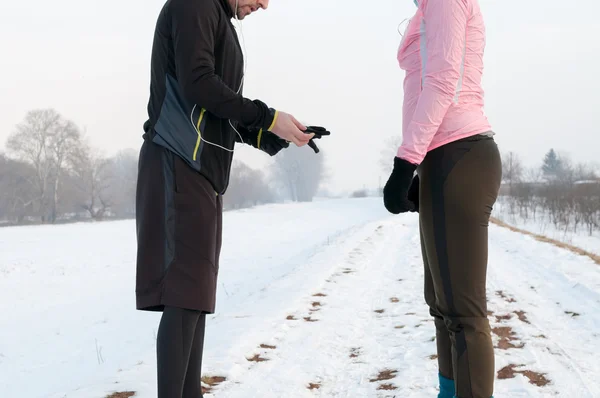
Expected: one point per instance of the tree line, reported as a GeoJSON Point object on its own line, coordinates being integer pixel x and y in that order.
{"type": "Point", "coordinates": [296, 175]}
{"type": "Point", "coordinates": [559, 192]}
{"type": "Point", "coordinates": [50, 173]}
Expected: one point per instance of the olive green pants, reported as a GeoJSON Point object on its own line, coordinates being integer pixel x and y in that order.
{"type": "Point", "coordinates": [459, 184]}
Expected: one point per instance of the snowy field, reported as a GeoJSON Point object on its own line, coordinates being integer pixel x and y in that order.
{"type": "Point", "coordinates": [315, 300]}
{"type": "Point", "coordinates": [542, 225]}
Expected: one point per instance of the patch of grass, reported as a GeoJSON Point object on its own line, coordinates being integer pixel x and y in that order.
{"type": "Point", "coordinates": [507, 336]}
{"type": "Point", "coordinates": [257, 358]}
{"type": "Point", "coordinates": [433, 357]}
{"type": "Point", "coordinates": [319, 295]}
{"type": "Point", "coordinates": [509, 372]}
{"type": "Point", "coordinates": [387, 387]}
{"type": "Point", "coordinates": [123, 394]}
{"type": "Point", "coordinates": [309, 319]}
{"type": "Point", "coordinates": [395, 300]}
{"type": "Point", "coordinates": [573, 314]}
{"type": "Point", "coordinates": [505, 297]}
{"type": "Point", "coordinates": [313, 386]}
{"type": "Point", "coordinates": [291, 318]}
{"type": "Point", "coordinates": [539, 379]}
{"type": "Point", "coordinates": [386, 374]}
{"type": "Point", "coordinates": [522, 316]}
{"type": "Point", "coordinates": [268, 347]}
{"type": "Point", "coordinates": [211, 382]}
{"type": "Point", "coordinates": [500, 318]}
{"type": "Point", "coordinates": [380, 311]}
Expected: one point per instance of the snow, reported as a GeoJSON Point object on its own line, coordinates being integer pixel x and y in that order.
{"type": "Point", "coordinates": [542, 225]}
{"type": "Point", "coordinates": [70, 328]}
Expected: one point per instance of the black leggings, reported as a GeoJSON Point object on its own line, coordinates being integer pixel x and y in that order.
{"type": "Point", "coordinates": [179, 347]}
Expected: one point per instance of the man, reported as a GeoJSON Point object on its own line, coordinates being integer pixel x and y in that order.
{"type": "Point", "coordinates": [196, 114]}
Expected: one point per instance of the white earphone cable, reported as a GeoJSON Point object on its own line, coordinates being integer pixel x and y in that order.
{"type": "Point", "coordinates": [245, 60]}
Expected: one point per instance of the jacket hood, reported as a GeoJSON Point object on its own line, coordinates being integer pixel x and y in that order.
{"type": "Point", "coordinates": [228, 9]}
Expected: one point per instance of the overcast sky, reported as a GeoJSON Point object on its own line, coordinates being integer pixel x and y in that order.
{"type": "Point", "coordinates": [328, 62]}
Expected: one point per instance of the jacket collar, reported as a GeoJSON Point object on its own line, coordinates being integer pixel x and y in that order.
{"type": "Point", "coordinates": [227, 8]}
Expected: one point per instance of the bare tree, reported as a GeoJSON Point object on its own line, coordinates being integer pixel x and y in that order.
{"type": "Point", "coordinates": [45, 140]}
{"type": "Point", "coordinates": [93, 178]}
{"type": "Point", "coordinates": [512, 170]}
{"type": "Point", "coordinates": [247, 187]}
{"type": "Point", "coordinates": [388, 153]}
{"type": "Point", "coordinates": [123, 170]}
{"type": "Point", "coordinates": [16, 192]}
{"type": "Point", "coordinates": [300, 172]}
{"type": "Point", "coordinates": [31, 142]}
{"type": "Point", "coordinates": [64, 143]}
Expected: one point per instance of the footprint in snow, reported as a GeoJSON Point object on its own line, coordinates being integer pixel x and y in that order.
{"type": "Point", "coordinates": [355, 352]}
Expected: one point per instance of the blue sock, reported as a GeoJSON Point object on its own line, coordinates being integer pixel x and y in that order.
{"type": "Point", "coordinates": [447, 388]}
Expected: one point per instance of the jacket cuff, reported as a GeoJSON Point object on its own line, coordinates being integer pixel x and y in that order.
{"type": "Point", "coordinates": [270, 119]}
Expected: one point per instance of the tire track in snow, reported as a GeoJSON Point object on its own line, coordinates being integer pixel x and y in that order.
{"type": "Point", "coordinates": [350, 341]}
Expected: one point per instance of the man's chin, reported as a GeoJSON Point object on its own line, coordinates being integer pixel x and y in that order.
{"type": "Point", "coordinates": [241, 14]}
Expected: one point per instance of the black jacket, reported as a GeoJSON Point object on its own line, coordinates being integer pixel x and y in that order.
{"type": "Point", "coordinates": [196, 74]}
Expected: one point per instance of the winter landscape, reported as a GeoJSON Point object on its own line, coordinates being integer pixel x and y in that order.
{"type": "Point", "coordinates": [324, 300]}
{"type": "Point", "coordinates": [320, 289]}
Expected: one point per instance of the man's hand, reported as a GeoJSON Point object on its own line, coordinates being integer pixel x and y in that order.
{"type": "Point", "coordinates": [395, 192]}
{"type": "Point", "coordinates": [288, 128]}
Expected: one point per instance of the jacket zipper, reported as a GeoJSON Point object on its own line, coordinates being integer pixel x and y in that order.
{"type": "Point", "coordinates": [199, 139]}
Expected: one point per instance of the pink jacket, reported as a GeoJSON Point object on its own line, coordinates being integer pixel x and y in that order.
{"type": "Point", "coordinates": [442, 54]}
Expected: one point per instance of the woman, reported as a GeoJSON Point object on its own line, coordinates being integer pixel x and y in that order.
{"type": "Point", "coordinates": [448, 140]}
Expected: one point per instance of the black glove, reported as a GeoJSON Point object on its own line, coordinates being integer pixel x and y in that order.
{"type": "Point", "coordinates": [319, 132]}
{"type": "Point", "coordinates": [413, 192]}
{"type": "Point", "coordinates": [265, 141]}
{"type": "Point", "coordinates": [395, 192]}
